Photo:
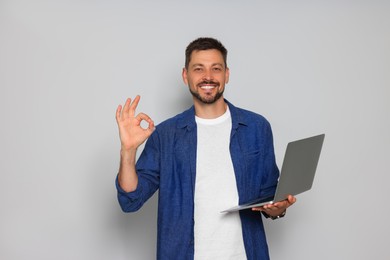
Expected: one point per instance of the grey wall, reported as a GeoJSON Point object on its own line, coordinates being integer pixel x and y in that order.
{"type": "Point", "coordinates": [308, 66]}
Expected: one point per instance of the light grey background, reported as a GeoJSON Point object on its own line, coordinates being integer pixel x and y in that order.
{"type": "Point", "coordinates": [310, 67]}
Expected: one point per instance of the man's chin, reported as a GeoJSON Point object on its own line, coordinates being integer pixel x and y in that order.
{"type": "Point", "coordinates": [207, 99]}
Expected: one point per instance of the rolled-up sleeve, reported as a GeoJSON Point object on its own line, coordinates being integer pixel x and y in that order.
{"type": "Point", "coordinates": [148, 171]}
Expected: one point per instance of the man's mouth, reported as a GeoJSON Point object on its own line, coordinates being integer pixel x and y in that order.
{"type": "Point", "coordinates": [207, 85]}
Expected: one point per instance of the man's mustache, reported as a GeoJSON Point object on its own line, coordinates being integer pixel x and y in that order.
{"type": "Point", "coordinates": [208, 82]}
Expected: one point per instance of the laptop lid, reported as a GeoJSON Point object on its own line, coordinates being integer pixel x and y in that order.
{"type": "Point", "coordinates": [297, 173]}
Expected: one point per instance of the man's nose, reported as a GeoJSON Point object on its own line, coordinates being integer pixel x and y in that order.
{"type": "Point", "coordinates": [208, 75]}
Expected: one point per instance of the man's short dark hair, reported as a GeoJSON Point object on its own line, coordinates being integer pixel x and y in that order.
{"type": "Point", "coordinates": [202, 44]}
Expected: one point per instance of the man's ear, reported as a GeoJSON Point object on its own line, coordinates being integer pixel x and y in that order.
{"type": "Point", "coordinates": [227, 74]}
{"type": "Point", "coordinates": [184, 76]}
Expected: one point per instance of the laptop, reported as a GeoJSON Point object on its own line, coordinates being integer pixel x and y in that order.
{"type": "Point", "coordinates": [297, 173]}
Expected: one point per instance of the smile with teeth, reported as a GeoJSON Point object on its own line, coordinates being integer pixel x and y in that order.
{"type": "Point", "coordinates": [207, 86]}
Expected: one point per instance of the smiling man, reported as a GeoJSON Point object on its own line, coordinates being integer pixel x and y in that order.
{"type": "Point", "coordinates": [206, 74]}
{"type": "Point", "coordinates": [208, 158]}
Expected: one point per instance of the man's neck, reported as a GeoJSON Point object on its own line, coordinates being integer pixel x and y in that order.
{"type": "Point", "coordinates": [210, 111]}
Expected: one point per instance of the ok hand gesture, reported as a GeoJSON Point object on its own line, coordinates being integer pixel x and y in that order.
{"type": "Point", "coordinates": [131, 133]}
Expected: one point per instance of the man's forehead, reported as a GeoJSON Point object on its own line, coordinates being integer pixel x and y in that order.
{"type": "Point", "coordinates": [206, 52]}
{"type": "Point", "coordinates": [207, 56]}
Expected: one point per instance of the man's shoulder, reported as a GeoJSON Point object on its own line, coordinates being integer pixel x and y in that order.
{"type": "Point", "coordinates": [246, 116]}
{"type": "Point", "coordinates": [250, 113]}
{"type": "Point", "coordinates": [180, 120]}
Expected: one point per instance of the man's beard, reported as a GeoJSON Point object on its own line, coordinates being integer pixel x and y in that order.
{"type": "Point", "coordinates": [208, 99]}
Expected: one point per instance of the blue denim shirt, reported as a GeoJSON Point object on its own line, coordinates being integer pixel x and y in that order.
{"type": "Point", "coordinates": [168, 163]}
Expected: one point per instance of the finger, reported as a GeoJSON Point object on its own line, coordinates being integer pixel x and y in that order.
{"type": "Point", "coordinates": [118, 113]}
{"type": "Point", "coordinates": [143, 116]}
{"type": "Point", "coordinates": [258, 209]}
{"type": "Point", "coordinates": [270, 207]}
{"type": "Point", "coordinates": [282, 204]}
{"type": "Point", "coordinates": [151, 126]}
{"type": "Point", "coordinates": [276, 206]}
{"type": "Point", "coordinates": [291, 200]}
{"type": "Point", "coordinates": [126, 108]}
{"type": "Point", "coordinates": [134, 105]}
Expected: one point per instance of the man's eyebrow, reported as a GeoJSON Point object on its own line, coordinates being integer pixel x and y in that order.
{"type": "Point", "coordinates": [197, 65]}
{"type": "Point", "coordinates": [202, 65]}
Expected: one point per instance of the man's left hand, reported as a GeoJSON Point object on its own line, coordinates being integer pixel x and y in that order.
{"type": "Point", "coordinates": [277, 208]}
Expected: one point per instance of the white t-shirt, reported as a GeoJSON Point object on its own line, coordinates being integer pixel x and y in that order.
{"type": "Point", "coordinates": [217, 235]}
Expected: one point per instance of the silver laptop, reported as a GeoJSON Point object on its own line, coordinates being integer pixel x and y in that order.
{"type": "Point", "coordinates": [297, 174]}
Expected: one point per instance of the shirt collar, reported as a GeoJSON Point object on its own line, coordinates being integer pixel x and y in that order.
{"type": "Point", "coordinates": [187, 118]}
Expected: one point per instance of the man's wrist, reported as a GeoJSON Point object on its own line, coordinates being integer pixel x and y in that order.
{"type": "Point", "coordinates": [281, 215]}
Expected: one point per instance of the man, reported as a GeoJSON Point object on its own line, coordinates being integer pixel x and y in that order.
{"type": "Point", "coordinates": [204, 160]}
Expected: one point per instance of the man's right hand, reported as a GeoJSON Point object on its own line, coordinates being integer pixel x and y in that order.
{"type": "Point", "coordinates": [131, 133]}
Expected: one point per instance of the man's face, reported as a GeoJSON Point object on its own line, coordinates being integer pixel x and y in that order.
{"type": "Point", "coordinates": [206, 75]}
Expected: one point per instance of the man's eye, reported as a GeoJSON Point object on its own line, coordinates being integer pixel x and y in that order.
{"type": "Point", "coordinates": [197, 69]}
{"type": "Point", "coordinates": [217, 69]}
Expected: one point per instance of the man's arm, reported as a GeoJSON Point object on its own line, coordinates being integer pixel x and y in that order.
{"type": "Point", "coordinates": [132, 135]}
